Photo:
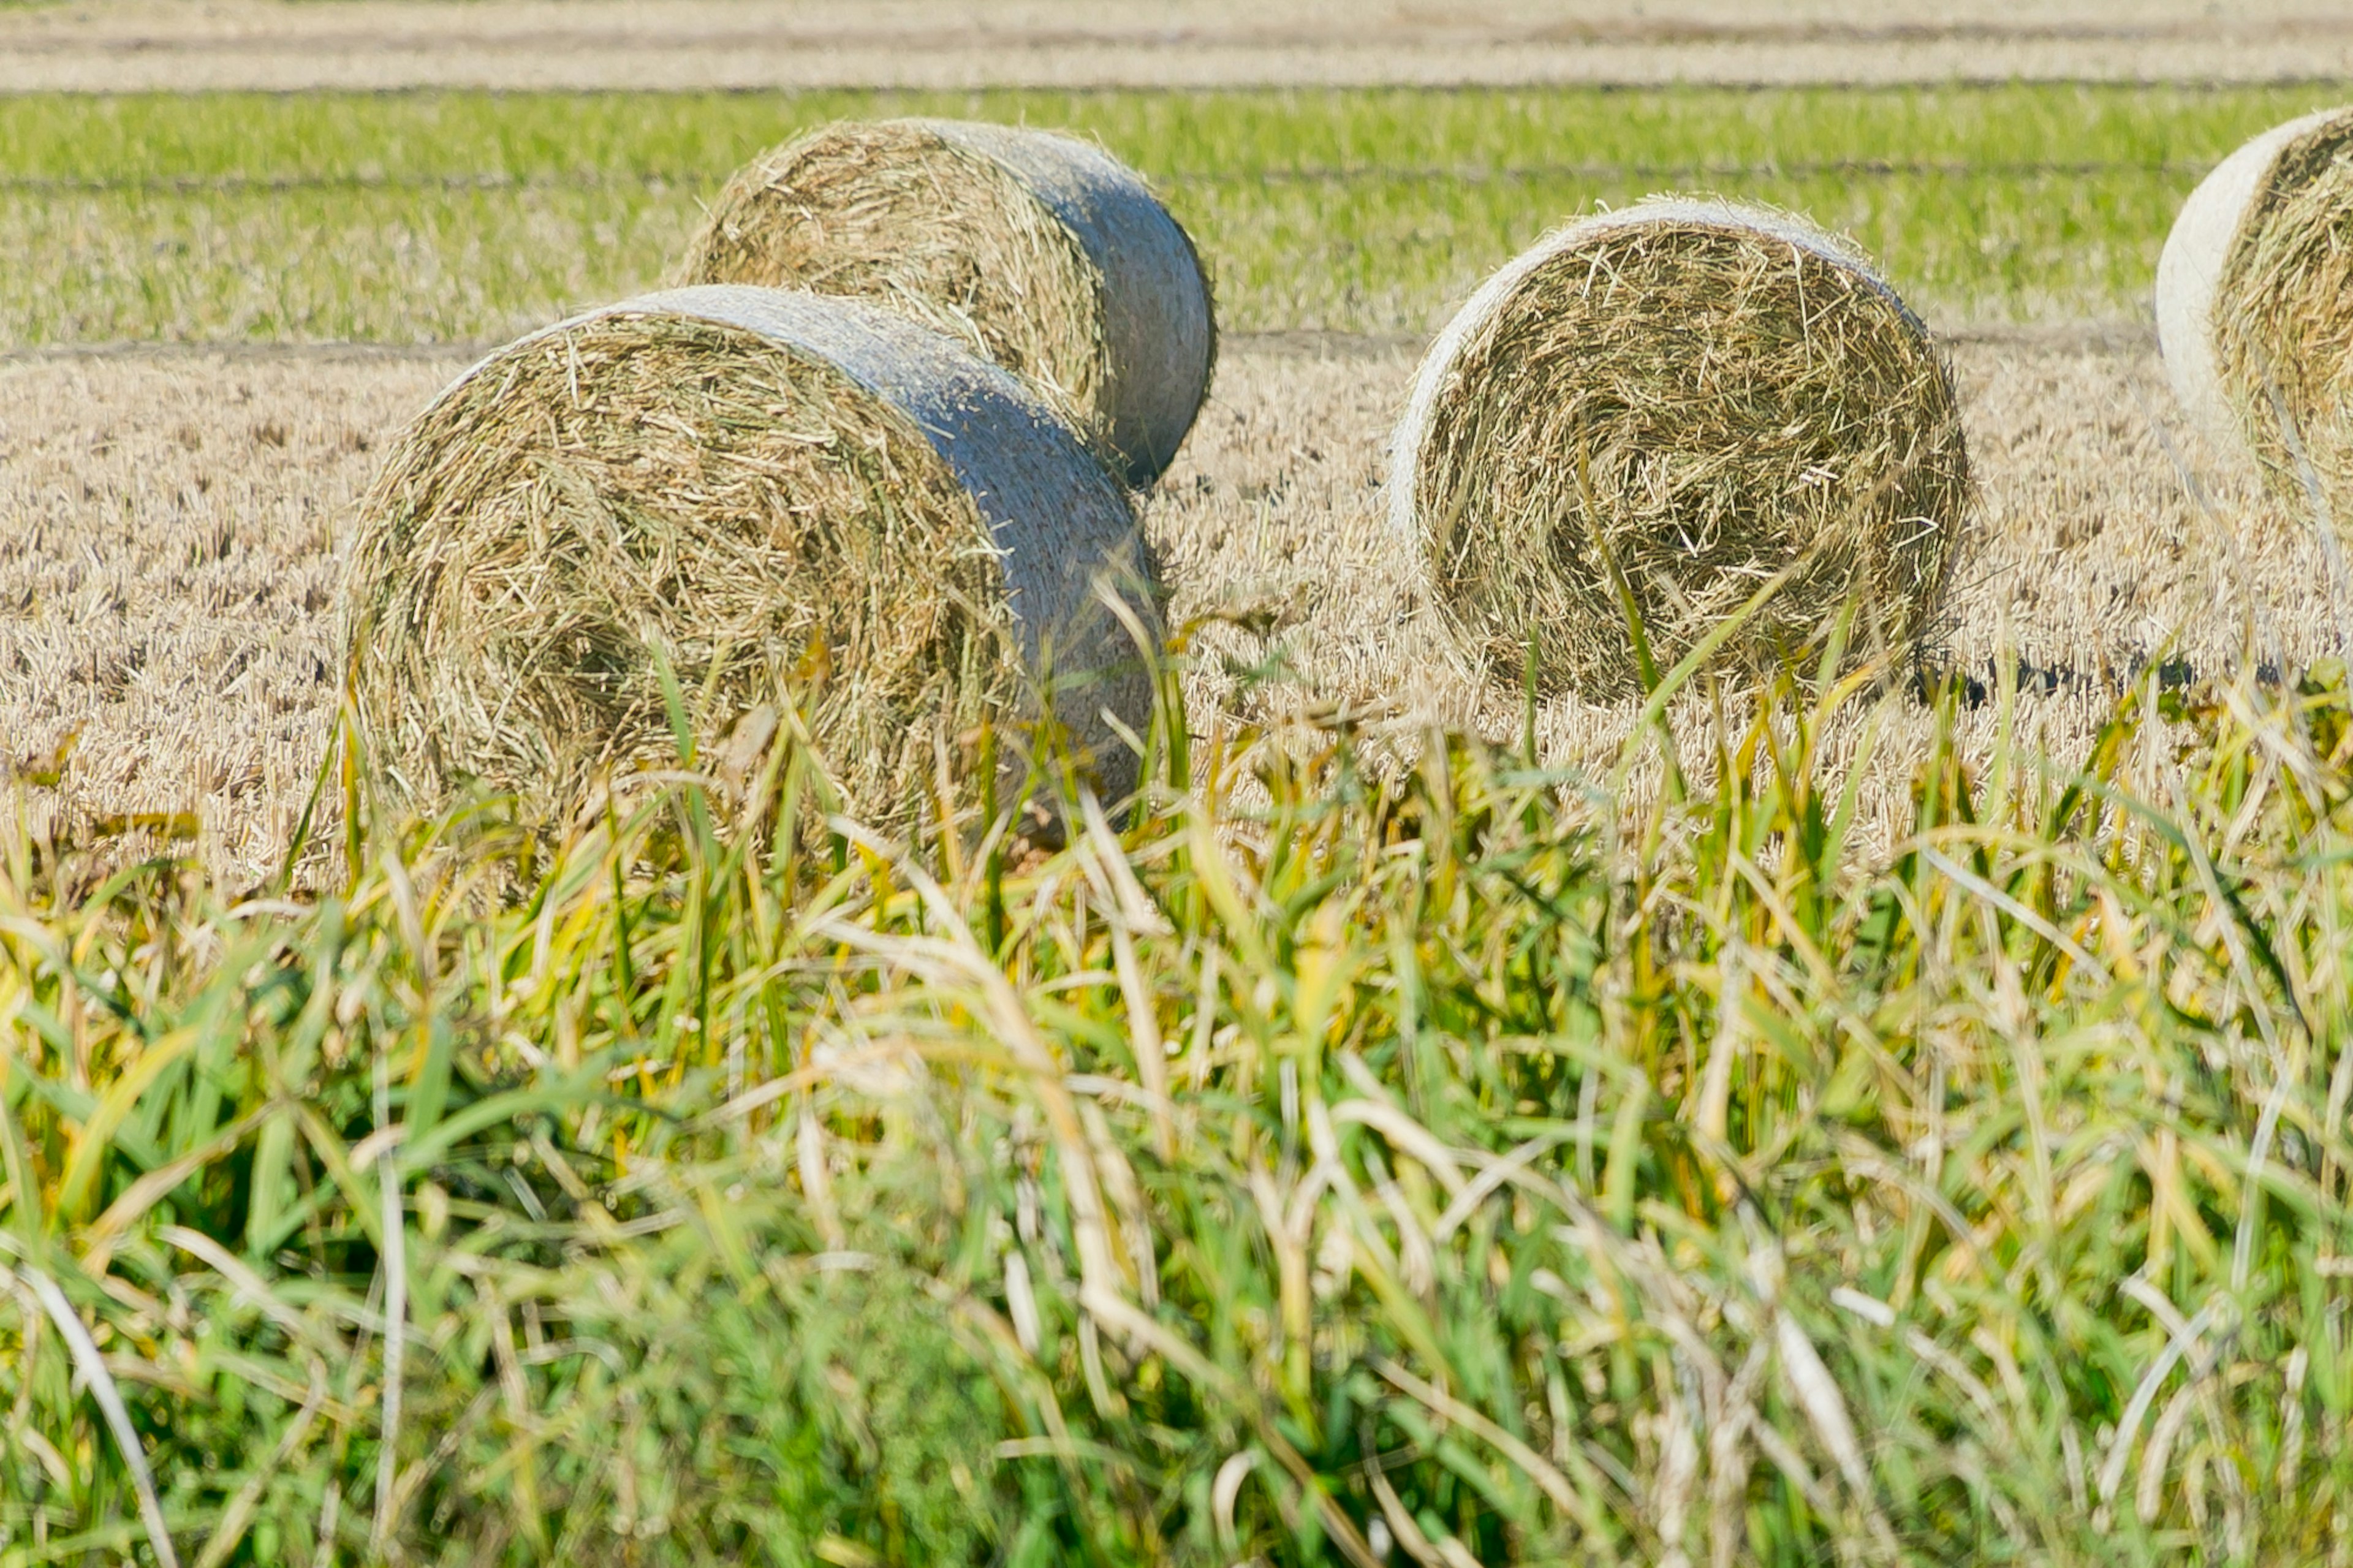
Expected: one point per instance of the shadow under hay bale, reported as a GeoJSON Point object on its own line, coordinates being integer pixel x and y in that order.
{"type": "Point", "coordinates": [2254, 296]}
{"type": "Point", "coordinates": [1694, 396]}
{"type": "Point", "coordinates": [1042, 253]}
{"type": "Point", "coordinates": [1978, 684]}
{"type": "Point", "coordinates": [785, 499]}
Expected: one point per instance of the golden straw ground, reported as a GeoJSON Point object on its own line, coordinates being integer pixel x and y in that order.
{"type": "Point", "coordinates": [1298, 595]}
{"type": "Point", "coordinates": [169, 521]}
{"type": "Point", "coordinates": [1678, 401]}
{"type": "Point", "coordinates": [282, 46]}
{"type": "Point", "coordinates": [1041, 252]}
{"type": "Point", "coordinates": [2254, 301]}
{"type": "Point", "coordinates": [765, 499]}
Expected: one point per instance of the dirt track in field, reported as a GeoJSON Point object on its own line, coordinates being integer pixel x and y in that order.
{"type": "Point", "coordinates": [168, 524]}
{"type": "Point", "coordinates": [120, 44]}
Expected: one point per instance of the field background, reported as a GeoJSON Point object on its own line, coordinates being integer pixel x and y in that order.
{"type": "Point", "coordinates": [121, 45]}
{"type": "Point", "coordinates": [217, 309]}
{"type": "Point", "coordinates": [438, 216]}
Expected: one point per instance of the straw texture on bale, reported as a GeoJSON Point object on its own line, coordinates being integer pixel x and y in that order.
{"type": "Point", "coordinates": [2254, 295]}
{"type": "Point", "coordinates": [1703, 393]}
{"type": "Point", "coordinates": [1042, 253]}
{"type": "Point", "coordinates": [788, 499]}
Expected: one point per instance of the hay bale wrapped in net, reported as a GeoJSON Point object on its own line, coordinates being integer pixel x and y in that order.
{"type": "Point", "coordinates": [1703, 394]}
{"type": "Point", "coordinates": [783, 496]}
{"type": "Point", "coordinates": [2254, 293]}
{"type": "Point", "coordinates": [1043, 253]}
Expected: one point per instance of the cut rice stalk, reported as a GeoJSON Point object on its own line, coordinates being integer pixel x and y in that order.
{"type": "Point", "coordinates": [1657, 410]}
{"type": "Point", "coordinates": [2254, 303]}
{"type": "Point", "coordinates": [1042, 253]}
{"type": "Point", "coordinates": [779, 497]}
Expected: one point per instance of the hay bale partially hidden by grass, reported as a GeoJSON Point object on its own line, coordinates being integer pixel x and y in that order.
{"type": "Point", "coordinates": [2254, 296]}
{"type": "Point", "coordinates": [1695, 395]}
{"type": "Point", "coordinates": [1043, 253]}
{"type": "Point", "coordinates": [786, 499]}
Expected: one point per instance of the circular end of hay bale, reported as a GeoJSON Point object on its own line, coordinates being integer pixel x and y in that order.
{"type": "Point", "coordinates": [1043, 253]}
{"type": "Point", "coordinates": [1694, 396]}
{"type": "Point", "coordinates": [788, 502]}
{"type": "Point", "coordinates": [2254, 292]}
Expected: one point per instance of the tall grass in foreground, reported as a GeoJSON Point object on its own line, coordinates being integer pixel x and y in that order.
{"type": "Point", "coordinates": [1425, 1166]}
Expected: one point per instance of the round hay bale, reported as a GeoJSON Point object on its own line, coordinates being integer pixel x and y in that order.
{"type": "Point", "coordinates": [1045, 254]}
{"type": "Point", "coordinates": [1705, 393]}
{"type": "Point", "coordinates": [2254, 290]}
{"type": "Point", "coordinates": [773, 492]}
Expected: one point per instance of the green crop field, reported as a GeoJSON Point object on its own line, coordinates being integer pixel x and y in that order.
{"type": "Point", "coordinates": [1353, 1150]}
{"type": "Point", "coordinates": [1332, 1173]}
{"type": "Point", "coordinates": [463, 216]}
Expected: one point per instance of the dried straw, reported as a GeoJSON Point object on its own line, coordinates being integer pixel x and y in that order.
{"type": "Point", "coordinates": [2254, 296]}
{"type": "Point", "coordinates": [1043, 253]}
{"type": "Point", "coordinates": [786, 499]}
{"type": "Point", "coordinates": [1703, 393]}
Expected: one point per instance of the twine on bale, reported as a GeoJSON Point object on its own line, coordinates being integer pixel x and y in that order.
{"type": "Point", "coordinates": [2255, 302]}
{"type": "Point", "coordinates": [1040, 252]}
{"type": "Point", "coordinates": [782, 498]}
{"type": "Point", "coordinates": [1687, 398]}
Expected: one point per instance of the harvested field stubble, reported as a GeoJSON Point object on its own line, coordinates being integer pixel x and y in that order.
{"type": "Point", "coordinates": [690, 507]}
{"type": "Point", "coordinates": [1657, 412]}
{"type": "Point", "coordinates": [1041, 252]}
{"type": "Point", "coordinates": [1298, 598]}
{"type": "Point", "coordinates": [2254, 296]}
{"type": "Point", "coordinates": [114, 45]}
{"type": "Point", "coordinates": [1269, 530]}
{"type": "Point", "coordinates": [168, 577]}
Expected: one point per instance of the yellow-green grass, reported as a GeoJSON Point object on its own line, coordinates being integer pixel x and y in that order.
{"type": "Point", "coordinates": [457, 216]}
{"type": "Point", "coordinates": [1324, 1165]}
